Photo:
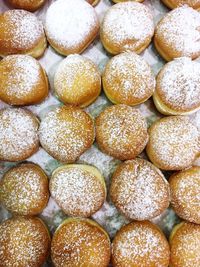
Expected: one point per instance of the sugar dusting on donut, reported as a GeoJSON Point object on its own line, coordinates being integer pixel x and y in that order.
{"type": "Point", "coordinates": [174, 141]}
{"type": "Point", "coordinates": [128, 21]}
{"type": "Point", "coordinates": [140, 190]}
{"type": "Point", "coordinates": [22, 75]}
{"type": "Point", "coordinates": [179, 84]}
{"type": "Point", "coordinates": [18, 132]}
{"type": "Point", "coordinates": [70, 22]}
{"type": "Point", "coordinates": [180, 29]}
{"type": "Point", "coordinates": [133, 76]}
{"type": "Point", "coordinates": [77, 191]}
{"type": "Point", "coordinates": [23, 241]}
{"type": "Point", "coordinates": [25, 30]}
{"type": "Point", "coordinates": [66, 132]}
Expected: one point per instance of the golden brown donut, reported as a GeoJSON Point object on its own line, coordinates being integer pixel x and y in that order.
{"type": "Point", "coordinates": [93, 2]}
{"type": "Point", "coordinates": [177, 34]}
{"type": "Point", "coordinates": [140, 244]}
{"type": "Point", "coordinates": [139, 190]}
{"type": "Point", "coordinates": [176, 3]}
{"type": "Point", "coordinates": [71, 26]}
{"type": "Point", "coordinates": [80, 242]}
{"type": "Point", "coordinates": [18, 134]}
{"type": "Point", "coordinates": [66, 132]}
{"type": "Point", "coordinates": [24, 242]}
{"type": "Point", "coordinates": [127, 26]}
{"type": "Point", "coordinates": [77, 81]}
{"type": "Point", "coordinates": [178, 87]}
{"type": "Point", "coordinates": [121, 132]}
{"type": "Point", "coordinates": [21, 33]}
{"type": "Point", "coordinates": [128, 79]}
{"type": "Point", "coordinates": [185, 245]}
{"type": "Point", "coordinates": [23, 81]}
{"type": "Point", "coordinates": [78, 189]}
{"type": "Point", "coordinates": [173, 143]}
{"type": "Point", "coordinates": [24, 189]}
{"type": "Point", "coordinates": [185, 192]}
{"type": "Point", "coordinates": [30, 5]}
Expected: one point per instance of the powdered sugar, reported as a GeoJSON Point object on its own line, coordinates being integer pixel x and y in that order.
{"type": "Point", "coordinates": [128, 79]}
{"type": "Point", "coordinates": [70, 23]}
{"type": "Point", "coordinates": [179, 30]}
{"type": "Point", "coordinates": [128, 25]}
{"type": "Point", "coordinates": [22, 29]}
{"type": "Point", "coordinates": [77, 191]}
{"type": "Point", "coordinates": [18, 134]}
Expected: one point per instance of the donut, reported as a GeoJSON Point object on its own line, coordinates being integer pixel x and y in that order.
{"type": "Point", "coordinates": [139, 190]}
{"type": "Point", "coordinates": [185, 191]}
{"type": "Point", "coordinates": [121, 131]}
{"type": "Point", "coordinates": [127, 26]}
{"type": "Point", "coordinates": [24, 189]}
{"type": "Point", "coordinates": [177, 34]}
{"type": "Point", "coordinates": [128, 79]}
{"type": "Point", "coordinates": [173, 143]}
{"type": "Point", "coordinates": [30, 5]}
{"type": "Point", "coordinates": [71, 26]}
{"type": "Point", "coordinates": [178, 87]}
{"type": "Point", "coordinates": [185, 245]}
{"type": "Point", "coordinates": [80, 242]}
{"type": "Point", "coordinates": [77, 81]}
{"type": "Point", "coordinates": [23, 81]}
{"type": "Point", "coordinates": [66, 132]}
{"type": "Point", "coordinates": [119, 1]}
{"type": "Point", "coordinates": [24, 242]}
{"type": "Point", "coordinates": [93, 2]}
{"type": "Point", "coordinates": [140, 244]}
{"type": "Point", "coordinates": [18, 134]}
{"type": "Point", "coordinates": [78, 189]}
{"type": "Point", "coordinates": [177, 3]}
{"type": "Point", "coordinates": [21, 33]}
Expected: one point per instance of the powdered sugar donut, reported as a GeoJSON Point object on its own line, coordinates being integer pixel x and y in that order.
{"type": "Point", "coordinates": [21, 33]}
{"type": "Point", "coordinates": [140, 244]}
{"type": "Point", "coordinates": [173, 143]}
{"type": "Point", "coordinates": [78, 189]}
{"type": "Point", "coordinates": [23, 81]}
{"type": "Point", "coordinates": [128, 79]}
{"type": "Point", "coordinates": [119, 1]}
{"type": "Point", "coordinates": [24, 242]}
{"type": "Point", "coordinates": [66, 132]}
{"type": "Point", "coordinates": [77, 81]}
{"type": "Point", "coordinates": [185, 191]}
{"type": "Point", "coordinates": [71, 26]}
{"type": "Point", "coordinates": [30, 5]}
{"type": "Point", "coordinates": [185, 245]}
{"type": "Point", "coordinates": [139, 190]}
{"type": "Point", "coordinates": [79, 242]}
{"type": "Point", "coordinates": [178, 87]}
{"type": "Point", "coordinates": [178, 34]}
{"type": "Point", "coordinates": [18, 134]}
{"type": "Point", "coordinates": [127, 26]}
{"type": "Point", "coordinates": [121, 131]}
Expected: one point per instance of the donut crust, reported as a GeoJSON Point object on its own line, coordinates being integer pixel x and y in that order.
{"type": "Point", "coordinates": [176, 3]}
{"type": "Point", "coordinates": [139, 190]}
{"type": "Point", "coordinates": [132, 246]}
{"type": "Point", "coordinates": [185, 189]}
{"type": "Point", "coordinates": [121, 132]}
{"type": "Point", "coordinates": [93, 2]}
{"type": "Point", "coordinates": [83, 203]}
{"type": "Point", "coordinates": [15, 38]}
{"type": "Point", "coordinates": [30, 5]}
{"type": "Point", "coordinates": [184, 243]}
{"type": "Point", "coordinates": [80, 247]}
{"type": "Point", "coordinates": [24, 189]}
{"type": "Point", "coordinates": [24, 242]}
{"type": "Point", "coordinates": [23, 81]}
